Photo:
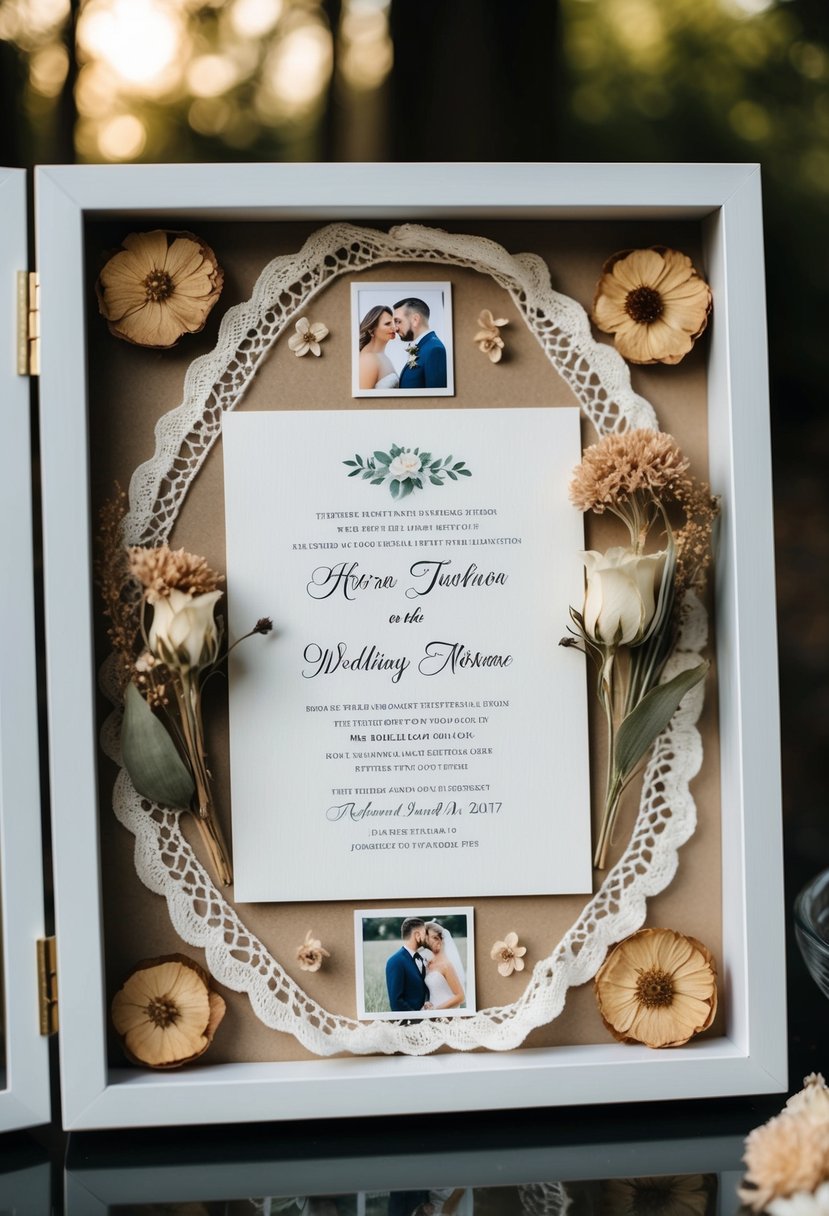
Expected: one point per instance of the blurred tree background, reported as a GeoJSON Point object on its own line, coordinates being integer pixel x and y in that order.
{"type": "Point", "coordinates": [550, 80]}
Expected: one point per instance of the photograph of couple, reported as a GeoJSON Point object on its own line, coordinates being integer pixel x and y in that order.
{"type": "Point", "coordinates": [403, 339]}
{"type": "Point", "coordinates": [415, 964]}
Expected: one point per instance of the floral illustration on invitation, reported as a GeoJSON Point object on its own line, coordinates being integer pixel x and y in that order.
{"type": "Point", "coordinates": [404, 470]}
{"type": "Point", "coordinates": [399, 723]}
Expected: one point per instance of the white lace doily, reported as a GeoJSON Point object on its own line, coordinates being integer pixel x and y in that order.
{"type": "Point", "coordinates": [200, 914]}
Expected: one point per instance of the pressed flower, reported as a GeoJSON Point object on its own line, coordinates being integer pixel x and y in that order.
{"type": "Point", "coordinates": [665, 1195]}
{"type": "Point", "coordinates": [161, 570]}
{"type": "Point", "coordinates": [509, 954]}
{"type": "Point", "coordinates": [488, 338]}
{"type": "Point", "coordinates": [654, 303]}
{"type": "Point", "coordinates": [159, 286]}
{"type": "Point", "coordinates": [311, 953]}
{"type": "Point", "coordinates": [639, 461]}
{"type": "Point", "coordinates": [166, 1012]}
{"type": "Point", "coordinates": [657, 987]}
{"type": "Point", "coordinates": [307, 337]}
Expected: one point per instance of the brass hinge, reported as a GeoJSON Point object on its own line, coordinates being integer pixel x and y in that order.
{"type": "Point", "coordinates": [28, 323]}
{"type": "Point", "coordinates": [47, 984]}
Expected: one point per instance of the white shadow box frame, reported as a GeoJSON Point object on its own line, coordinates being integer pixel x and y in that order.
{"type": "Point", "coordinates": [24, 1072]}
{"type": "Point", "coordinates": [750, 1057]}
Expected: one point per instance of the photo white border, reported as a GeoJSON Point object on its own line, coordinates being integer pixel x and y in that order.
{"type": "Point", "coordinates": [430, 913]}
{"type": "Point", "coordinates": [395, 290]}
{"type": "Point", "coordinates": [750, 1057]}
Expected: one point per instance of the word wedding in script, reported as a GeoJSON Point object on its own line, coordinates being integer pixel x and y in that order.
{"type": "Point", "coordinates": [412, 727]}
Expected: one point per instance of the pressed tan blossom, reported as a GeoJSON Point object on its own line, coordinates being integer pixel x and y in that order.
{"type": "Point", "coordinates": [638, 476]}
{"type": "Point", "coordinates": [657, 987]}
{"type": "Point", "coordinates": [307, 337]}
{"type": "Point", "coordinates": [664, 1195]}
{"type": "Point", "coordinates": [488, 338]}
{"type": "Point", "coordinates": [653, 302]}
{"type": "Point", "coordinates": [789, 1155]}
{"type": "Point", "coordinates": [166, 1013]}
{"type": "Point", "coordinates": [161, 570]}
{"type": "Point", "coordinates": [159, 286]}
{"type": "Point", "coordinates": [509, 954]}
{"type": "Point", "coordinates": [311, 953]}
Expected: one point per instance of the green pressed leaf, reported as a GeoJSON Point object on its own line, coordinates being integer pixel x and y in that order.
{"type": "Point", "coordinates": [394, 488]}
{"type": "Point", "coordinates": [355, 472]}
{"type": "Point", "coordinates": [358, 458]}
{"type": "Point", "coordinates": [351, 462]}
{"type": "Point", "coordinates": [150, 757]}
{"type": "Point", "coordinates": [383, 457]}
{"type": "Point", "coordinates": [406, 488]}
{"type": "Point", "coordinates": [436, 481]}
{"type": "Point", "coordinates": [449, 473]}
{"type": "Point", "coordinates": [464, 473]}
{"type": "Point", "coordinates": [651, 716]}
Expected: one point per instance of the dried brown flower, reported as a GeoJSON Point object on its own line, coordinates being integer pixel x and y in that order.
{"type": "Point", "coordinates": [488, 338]}
{"type": "Point", "coordinates": [653, 302]}
{"type": "Point", "coordinates": [112, 574]}
{"type": "Point", "coordinates": [509, 954]}
{"type": "Point", "coordinates": [159, 286]}
{"type": "Point", "coordinates": [161, 570]}
{"type": "Point", "coordinates": [639, 461]}
{"type": "Point", "coordinates": [311, 953]}
{"type": "Point", "coordinates": [166, 1012]}
{"type": "Point", "coordinates": [307, 337]}
{"type": "Point", "coordinates": [665, 1195]}
{"type": "Point", "coordinates": [657, 987]}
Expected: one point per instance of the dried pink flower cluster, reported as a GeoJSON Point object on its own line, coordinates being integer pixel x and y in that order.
{"type": "Point", "coordinates": [789, 1155]}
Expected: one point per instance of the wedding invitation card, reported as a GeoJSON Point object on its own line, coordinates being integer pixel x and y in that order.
{"type": "Point", "coordinates": [411, 728]}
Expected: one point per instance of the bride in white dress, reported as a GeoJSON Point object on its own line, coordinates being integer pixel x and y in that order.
{"type": "Point", "coordinates": [376, 331]}
{"type": "Point", "coordinates": [445, 976]}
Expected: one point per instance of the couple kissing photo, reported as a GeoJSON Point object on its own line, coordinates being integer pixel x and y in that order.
{"type": "Point", "coordinates": [403, 339]}
{"type": "Point", "coordinates": [415, 964]}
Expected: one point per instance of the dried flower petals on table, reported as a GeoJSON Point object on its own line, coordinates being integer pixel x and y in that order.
{"type": "Point", "coordinates": [311, 953]}
{"type": "Point", "coordinates": [787, 1158]}
{"type": "Point", "coordinates": [509, 955]}
{"type": "Point", "coordinates": [307, 337]}
{"type": "Point", "coordinates": [488, 338]}
{"type": "Point", "coordinates": [166, 1012]}
{"type": "Point", "coordinates": [654, 303]}
{"type": "Point", "coordinates": [657, 987]}
{"type": "Point", "coordinates": [160, 286]}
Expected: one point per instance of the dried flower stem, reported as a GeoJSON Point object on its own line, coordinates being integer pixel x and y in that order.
{"type": "Point", "coordinates": [189, 700]}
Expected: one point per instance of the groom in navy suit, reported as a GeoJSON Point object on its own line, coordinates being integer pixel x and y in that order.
{"type": "Point", "coordinates": [426, 366]}
{"type": "Point", "coordinates": [406, 969]}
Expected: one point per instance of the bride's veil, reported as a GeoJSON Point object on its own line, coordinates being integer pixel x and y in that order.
{"type": "Point", "coordinates": [452, 955]}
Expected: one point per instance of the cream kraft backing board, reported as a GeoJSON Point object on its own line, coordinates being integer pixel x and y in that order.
{"type": "Point", "coordinates": [101, 401]}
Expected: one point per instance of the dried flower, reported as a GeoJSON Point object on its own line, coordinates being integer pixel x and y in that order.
{"type": "Point", "coordinates": [802, 1203]}
{"type": "Point", "coordinates": [633, 598]}
{"type": "Point", "coordinates": [657, 987]}
{"type": "Point", "coordinates": [620, 599]}
{"type": "Point", "coordinates": [311, 953]}
{"type": "Point", "coordinates": [161, 570]}
{"type": "Point", "coordinates": [307, 337]}
{"type": "Point", "coordinates": [509, 954]}
{"type": "Point", "coordinates": [653, 302]}
{"type": "Point", "coordinates": [488, 338]}
{"type": "Point", "coordinates": [665, 1195]}
{"type": "Point", "coordinates": [159, 286]}
{"type": "Point", "coordinates": [787, 1158]}
{"type": "Point", "coordinates": [166, 1012]}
